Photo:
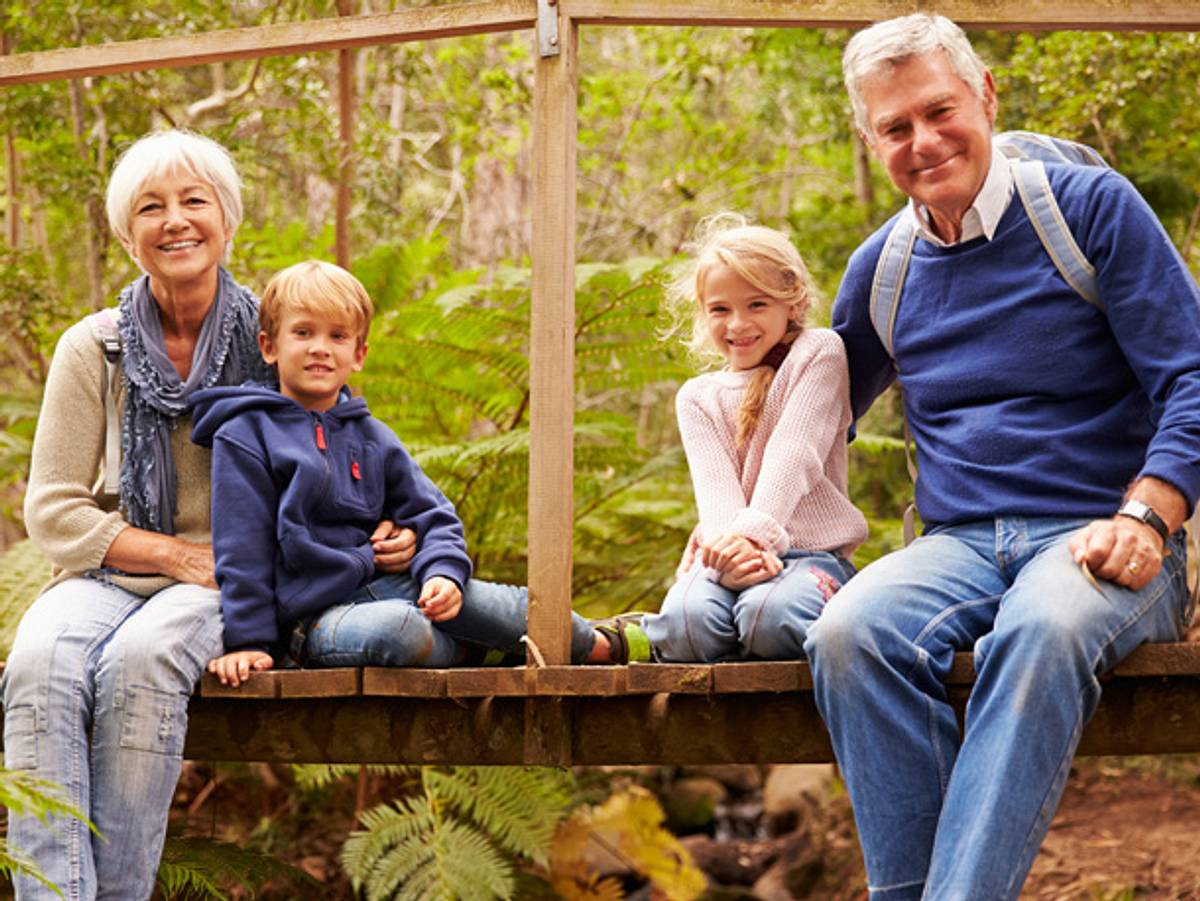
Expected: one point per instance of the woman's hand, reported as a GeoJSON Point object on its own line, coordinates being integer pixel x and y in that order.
{"type": "Point", "coordinates": [235, 668]}
{"type": "Point", "coordinates": [440, 599]}
{"type": "Point", "coordinates": [394, 547]}
{"type": "Point", "coordinates": [141, 552]}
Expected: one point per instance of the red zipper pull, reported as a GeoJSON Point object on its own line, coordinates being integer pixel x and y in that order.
{"type": "Point", "coordinates": [355, 471]}
{"type": "Point", "coordinates": [320, 437]}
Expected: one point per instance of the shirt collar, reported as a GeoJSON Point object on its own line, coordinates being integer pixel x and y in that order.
{"type": "Point", "coordinates": [984, 214]}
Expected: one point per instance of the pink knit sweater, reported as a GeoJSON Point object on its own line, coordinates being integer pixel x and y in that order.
{"type": "Point", "coordinates": [786, 488]}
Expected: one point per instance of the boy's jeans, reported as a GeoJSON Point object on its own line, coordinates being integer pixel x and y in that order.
{"type": "Point", "coordinates": [90, 655]}
{"type": "Point", "coordinates": [381, 625]}
{"type": "Point", "coordinates": [702, 621]}
{"type": "Point", "coordinates": [943, 816]}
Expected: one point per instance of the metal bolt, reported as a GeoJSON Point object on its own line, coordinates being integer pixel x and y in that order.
{"type": "Point", "coordinates": [553, 40]}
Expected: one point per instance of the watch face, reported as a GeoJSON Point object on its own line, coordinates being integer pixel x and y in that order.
{"type": "Point", "coordinates": [1136, 509]}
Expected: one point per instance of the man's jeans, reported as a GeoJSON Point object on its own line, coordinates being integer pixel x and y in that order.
{"type": "Point", "coordinates": [702, 621]}
{"type": "Point", "coordinates": [381, 625]}
{"type": "Point", "coordinates": [949, 816]}
{"type": "Point", "coordinates": [89, 655]}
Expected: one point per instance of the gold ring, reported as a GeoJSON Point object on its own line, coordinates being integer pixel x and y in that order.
{"type": "Point", "coordinates": [1133, 567]}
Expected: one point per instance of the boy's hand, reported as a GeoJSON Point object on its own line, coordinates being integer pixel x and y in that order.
{"type": "Point", "coordinates": [235, 668]}
{"type": "Point", "coordinates": [394, 547]}
{"type": "Point", "coordinates": [440, 599]}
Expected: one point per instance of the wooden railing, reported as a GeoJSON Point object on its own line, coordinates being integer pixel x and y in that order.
{"type": "Point", "coordinates": [550, 731]}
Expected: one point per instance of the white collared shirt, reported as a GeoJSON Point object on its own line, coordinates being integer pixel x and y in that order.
{"type": "Point", "coordinates": [985, 212]}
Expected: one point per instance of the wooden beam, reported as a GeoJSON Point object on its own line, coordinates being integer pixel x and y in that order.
{"type": "Point", "coordinates": [552, 350]}
{"type": "Point", "coordinates": [269, 40]}
{"type": "Point", "coordinates": [1023, 15]}
{"type": "Point", "coordinates": [345, 176]}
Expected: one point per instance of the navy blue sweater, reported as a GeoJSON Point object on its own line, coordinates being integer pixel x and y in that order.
{"type": "Point", "coordinates": [1024, 399]}
{"type": "Point", "coordinates": [295, 497]}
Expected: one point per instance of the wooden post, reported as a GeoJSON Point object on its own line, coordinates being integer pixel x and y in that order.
{"type": "Point", "coordinates": [12, 217]}
{"type": "Point", "coordinates": [552, 349]}
{"type": "Point", "coordinates": [345, 145]}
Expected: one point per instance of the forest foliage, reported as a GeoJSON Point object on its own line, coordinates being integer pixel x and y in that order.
{"type": "Point", "coordinates": [674, 124]}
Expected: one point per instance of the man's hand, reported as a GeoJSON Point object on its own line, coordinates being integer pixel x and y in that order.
{"type": "Point", "coordinates": [1121, 550]}
{"type": "Point", "coordinates": [1124, 550]}
{"type": "Point", "coordinates": [753, 571]}
{"type": "Point", "coordinates": [394, 547]}
{"type": "Point", "coordinates": [440, 599]}
{"type": "Point", "coordinates": [235, 668]}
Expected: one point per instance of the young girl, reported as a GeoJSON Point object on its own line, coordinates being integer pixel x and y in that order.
{"type": "Point", "coordinates": [765, 438]}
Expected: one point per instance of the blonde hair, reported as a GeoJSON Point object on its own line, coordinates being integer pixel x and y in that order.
{"type": "Point", "coordinates": [319, 288]}
{"type": "Point", "coordinates": [765, 258]}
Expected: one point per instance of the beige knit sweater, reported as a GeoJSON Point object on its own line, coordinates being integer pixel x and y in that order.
{"type": "Point", "coordinates": [66, 511]}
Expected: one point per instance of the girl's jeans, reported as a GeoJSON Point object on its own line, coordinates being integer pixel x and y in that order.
{"type": "Point", "coordinates": [381, 625]}
{"type": "Point", "coordinates": [702, 621]}
{"type": "Point", "coordinates": [948, 816]}
{"type": "Point", "coordinates": [91, 656]}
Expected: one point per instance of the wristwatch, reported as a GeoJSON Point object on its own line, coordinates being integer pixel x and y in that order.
{"type": "Point", "coordinates": [1145, 513]}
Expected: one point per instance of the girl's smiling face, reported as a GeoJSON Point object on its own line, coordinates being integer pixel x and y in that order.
{"type": "Point", "coordinates": [743, 323]}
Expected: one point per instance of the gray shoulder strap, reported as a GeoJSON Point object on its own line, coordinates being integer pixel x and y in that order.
{"type": "Point", "coordinates": [1052, 229]}
{"type": "Point", "coordinates": [889, 280]}
{"type": "Point", "coordinates": [104, 326]}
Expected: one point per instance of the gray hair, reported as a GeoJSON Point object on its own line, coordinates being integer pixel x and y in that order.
{"type": "Point", "coordinates": [162, 152]}
{"type": "Point", "coordinates": [879, 49]}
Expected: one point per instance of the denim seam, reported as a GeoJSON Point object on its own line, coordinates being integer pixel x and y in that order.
{"type": "Point", "coordinates": [1137, 614]}
{"type": "Point", "coordinates": [687, 620]}
{"type": "Point", "coordinates": [747, 641]}
{"type": "Point", "coordinates": [892, 888]}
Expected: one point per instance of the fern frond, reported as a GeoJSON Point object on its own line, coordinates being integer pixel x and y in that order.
{"type": "Point", "coordinates": [23, 793]}
{"type": "Point", "coordinates": [24, 570]}
{"type": "Point", "coordinates": [518, 807]}
{"type": "Point", "coordinates": [313, 776]}
{"type": "Point", "coordinates": [200, 867]}
{"type": "Point", "coordinates": [469, 866]}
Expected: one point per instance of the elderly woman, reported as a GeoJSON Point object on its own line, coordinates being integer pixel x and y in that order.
{"type": "Point", "coordinates": [97, 684]}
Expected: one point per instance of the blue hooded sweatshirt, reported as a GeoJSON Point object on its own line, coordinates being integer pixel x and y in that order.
{"type": "Point", "coordinates": [296, 495]}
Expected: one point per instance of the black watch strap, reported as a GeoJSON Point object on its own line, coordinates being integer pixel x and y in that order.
{"type": "Point", "coordinates": [1145, 513]}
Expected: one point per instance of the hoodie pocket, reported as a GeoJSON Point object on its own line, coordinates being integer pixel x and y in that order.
{"type": "Point", "coordinates": [358, 484]}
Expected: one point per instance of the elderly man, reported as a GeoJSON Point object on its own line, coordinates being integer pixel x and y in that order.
{"type": "Point", "coordinates": [1059, 450]}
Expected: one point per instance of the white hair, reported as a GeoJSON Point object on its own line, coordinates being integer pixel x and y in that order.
{"type": "Point", "coordinates": [877, 50]}
{"type": "Point", "coordinates": [166, 151]}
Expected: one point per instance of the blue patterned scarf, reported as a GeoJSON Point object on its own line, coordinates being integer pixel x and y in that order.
{"type": "Point", "coordinates": [155, 396]}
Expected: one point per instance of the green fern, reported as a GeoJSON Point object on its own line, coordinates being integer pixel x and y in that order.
{"type": "Point", "coordinates": [457, 839]}
{"type": "Point", "coordinates": [200, 868]}
{"type": "Point", "coordinates": [313, 776]}
{"type": "Point", "coordinates": [23, 573]}
{"type": "Point", "coordinates": [24, 794]}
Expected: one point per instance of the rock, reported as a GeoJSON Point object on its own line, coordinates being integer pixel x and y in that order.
{"type": "Point", "coordinates": [689, 803]}
{"type": "Point", "coordinates": [789, 880]}
{"type": "Point", "coordinates": [732, 863]}
{"type": "Point", "coordinates": [790, 791]}
{"type": "Point", "coordinates": [741, 778]}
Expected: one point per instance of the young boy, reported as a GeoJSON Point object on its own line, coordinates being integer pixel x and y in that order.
{"type": "Point", "coordinates": [301, 476]}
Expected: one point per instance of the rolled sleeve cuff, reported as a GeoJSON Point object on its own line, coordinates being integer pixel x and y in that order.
{"type": "Point", "coordinates": [760, 528]}
{"type": "Point", "coordinates": [1181, 476]}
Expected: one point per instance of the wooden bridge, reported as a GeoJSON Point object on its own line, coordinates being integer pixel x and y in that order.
{"type": "Point", "coordinates": [745, 712]}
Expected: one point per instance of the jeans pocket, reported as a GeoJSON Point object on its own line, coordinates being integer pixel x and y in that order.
{"type": "Point", "coordinates": [20, 738]}
{"type": "Point", "coordinates": [154, 721]}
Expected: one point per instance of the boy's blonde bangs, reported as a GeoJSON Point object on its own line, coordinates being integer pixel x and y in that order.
{"type": "Point", "coordinates": [319, 288]}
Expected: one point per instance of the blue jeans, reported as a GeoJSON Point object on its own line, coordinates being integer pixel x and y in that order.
{"type": "Point", "coordinates": [702, 621]}
{"type": "Point", "coordinates": [948, 816]}
{"type": "Point", "coordinates": [91, 656]}
{"type": "Point", "coordinates": [381, 625]}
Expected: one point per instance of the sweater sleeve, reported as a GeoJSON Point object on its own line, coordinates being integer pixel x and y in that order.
{"type": "Point", "coordinates": [244, 493]}
{"type": "Point", "coordinates": [712, 459]}
{"type": "Point", "coordinates": [813, 418]}
{"type": "Point", "coordinates": [413, 501]}
{"type": "Point", "coordinates": [62, 513]}
{"type": "Point", "coordinates": [1153, 306]}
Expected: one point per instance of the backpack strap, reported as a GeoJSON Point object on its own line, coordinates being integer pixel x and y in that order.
{"type": "Point", "coordinates": [104, 326]}
{"type": "Point", "coordinates": [1052, 230]}
{"type": "Point", "coordinates": [890, 271]}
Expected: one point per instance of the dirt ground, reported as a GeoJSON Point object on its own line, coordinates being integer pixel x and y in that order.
{"type": "Point", "coordinates": [1126, 829]}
